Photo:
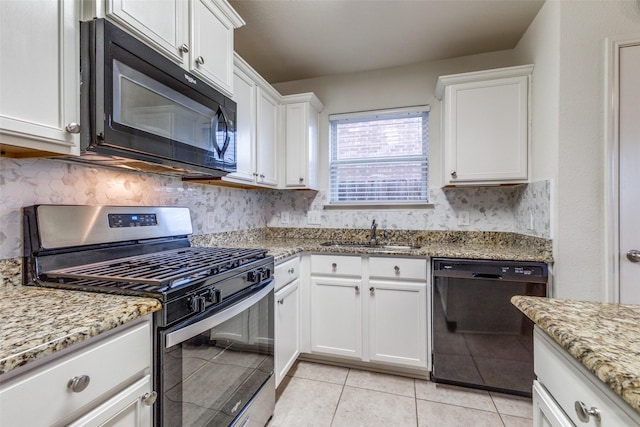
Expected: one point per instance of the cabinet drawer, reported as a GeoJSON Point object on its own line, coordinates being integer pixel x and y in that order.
{"type": "Point", "coordinates": [336, 265]}
{"type": "Point", "coordinates": [398, 268]}
{"type": "Point", "coordinates": [108, 363]}
{"type": "Point", "coordinates": [287, 271]}
{"type": "Point", "coordinates": [569, 382]}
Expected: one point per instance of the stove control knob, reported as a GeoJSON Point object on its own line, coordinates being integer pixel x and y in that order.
{"type": "Point", "coordinates": [213, 296]}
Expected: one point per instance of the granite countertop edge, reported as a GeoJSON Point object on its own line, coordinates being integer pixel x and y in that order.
{"type": "Point", "coordinates": [603, 337]}
{"type": "Point", "coordinates": [47, 320]}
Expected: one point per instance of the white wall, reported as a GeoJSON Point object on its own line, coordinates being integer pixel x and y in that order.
{"type": "Point", "coordinates": [389, 88]}
{"type": "Point", "coordinates": [566, 42]}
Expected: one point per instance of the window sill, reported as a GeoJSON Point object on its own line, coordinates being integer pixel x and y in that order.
{"type": "Point", "coordinates": [378, 206]}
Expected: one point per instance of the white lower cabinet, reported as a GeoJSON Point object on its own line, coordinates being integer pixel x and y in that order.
{"type": "Point", "coordinates": [336, 316]}
{"type": "Point", "coordinates": [104, 382]}
{"type": "Point", "coordinates": [546, 412]}
{"type": "Point", "coordinates": [566, 392]}
{"type": "Point", "coordinates": [287, 331]}
{"type": "Point", "coordinates": [287, 316]}
{"type": "Point", "coordinates": [398, 322]}
{"type": "Point", "coordinates": [376, 311]}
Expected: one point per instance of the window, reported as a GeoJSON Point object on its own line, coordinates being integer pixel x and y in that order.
{"type": "Point", "coordinates": [379, 157]}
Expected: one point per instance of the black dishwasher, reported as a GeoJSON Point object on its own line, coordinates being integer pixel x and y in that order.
{"type": "Point", "coordinates": [480, 339]}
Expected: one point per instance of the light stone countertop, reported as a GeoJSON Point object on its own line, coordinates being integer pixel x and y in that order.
{"type": "Point", "coordinates": [604, 338]}
{"type": "Point", "coordinates": [37, 322]}
{"type": "Point", "coordinates": [40, 321]}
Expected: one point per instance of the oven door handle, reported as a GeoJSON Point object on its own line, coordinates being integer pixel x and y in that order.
{"type": "Point", "coordinates": [183, 334]}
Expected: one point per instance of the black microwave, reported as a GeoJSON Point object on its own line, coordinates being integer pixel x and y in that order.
{"type": "Point", "coordinates": [141, 111]}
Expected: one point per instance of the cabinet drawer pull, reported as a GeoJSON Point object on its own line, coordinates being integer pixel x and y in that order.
{"type": "Point", "coordinates": [184, 48]}
{"type": "Point", "coordinates": [334, 265]}
{"type": "Point", "coordinates": [79, 383]}
{"type": "Point", "coordinates": [357, 288]}
{"type": "Point", "coordinates": [200, 60]}
{"type": "Point", "coordinates": [149, 398]}
{"type": "Point", "coordinates": [454, 174]}
{"type": "Point", "coordinates": [372, 290]}
{"type": "Point", "coordinates": [73, 127]}
{"type": "Point", "coordinates": [396, 269]}
{"type": "Point", "coordinates": [584, 413]}
{"type": "Point", "coordinates": [281, 301]}
{"type": "Point", "coordinates": [291, 270]}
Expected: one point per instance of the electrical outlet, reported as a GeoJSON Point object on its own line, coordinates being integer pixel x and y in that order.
{"type": "Point", "coordinates": [531, 226]}
{"type": "Point", "coordinates": [314, 217]}
{"type": "Point", "coordinates": [211, 221]}
{"type": "Point", "coordinates": [284, 218]}
{"type": "Point", "coordinates": [463, 218]}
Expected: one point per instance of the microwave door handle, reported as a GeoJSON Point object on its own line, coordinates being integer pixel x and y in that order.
{"type": "Point", "coordinates": [227, 138]}
{"type": "Point", "coordinates": [183, 334]}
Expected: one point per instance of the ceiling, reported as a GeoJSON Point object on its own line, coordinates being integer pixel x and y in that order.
{"type": "Point", "coordinates": [288, 40]}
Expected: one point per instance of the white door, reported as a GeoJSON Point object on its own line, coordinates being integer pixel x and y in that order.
{"type": "Point", "coordinates": [629, 173]}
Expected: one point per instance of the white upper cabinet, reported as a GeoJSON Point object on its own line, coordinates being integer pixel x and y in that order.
{"type": "Point", "coordinates": [197, 34]}
{"type": "Point", "coordinates": [302, 113]}
{"type": "Point", "coordinates": [39, 78]}
{"type": "Point", "coordinates": [257, 126]}
{"type": "Point", "coordinates": [485, 126]}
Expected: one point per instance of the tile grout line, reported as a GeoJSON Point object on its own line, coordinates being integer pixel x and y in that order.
{"type": "Point", "coordinates": [335, 411]}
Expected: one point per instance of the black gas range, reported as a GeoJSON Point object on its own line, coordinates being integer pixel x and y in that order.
{"type": "Point", "coordinates": [221, 298]}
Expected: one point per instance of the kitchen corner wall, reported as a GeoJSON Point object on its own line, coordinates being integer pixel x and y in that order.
{"type": "Point", "coordinates": [25, 182]}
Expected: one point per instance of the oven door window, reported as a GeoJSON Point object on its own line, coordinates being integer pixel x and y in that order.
{"type": "Point", "coordinates": [208, 378]}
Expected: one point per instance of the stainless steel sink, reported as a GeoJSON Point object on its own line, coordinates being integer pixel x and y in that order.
{"type": "Point", "coordinates": [382, 247]}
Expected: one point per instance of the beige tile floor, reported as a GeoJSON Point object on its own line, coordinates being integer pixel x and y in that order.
{"type": "Point", "coordinates": [321, 395]}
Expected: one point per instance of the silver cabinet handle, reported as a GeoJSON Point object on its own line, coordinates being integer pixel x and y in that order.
{"type": "Point", "coordinates": [633, 255]}
{"type": "Point", "coordinates": [372, 290]}
{"type": "Point", "coordinates": [149, 398]}
{"type": "Point", "coordinates": [301, 180]}
{"type": "Point", "coordinates": [357, 288]}
{"type": "Point", "coordinates": [396, 269]}
{"type": "Point", "coordinates": [79, 383]}
{"type": "Point", "coordinates": [334, 265]}
{"type": "Point", "coordinates": [73, 127]}
{"type": "Point", "coordinates": [184, 48]}
{"type": "Point", "coordinates": [200, 60]}
{"type": "Point", "coordinates": [584, 413]}
{"type": "Point", "coordinates": [262, 175]}
{"type": "Point", "coordinates": [281, 301]}
{"type": "Point", "coordinates": [454, 174]}
{"type": "Point", "coordinates": [291, 270]}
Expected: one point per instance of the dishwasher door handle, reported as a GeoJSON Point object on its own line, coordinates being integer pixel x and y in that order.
{"type": "Point", "coordinates": [486, 276]}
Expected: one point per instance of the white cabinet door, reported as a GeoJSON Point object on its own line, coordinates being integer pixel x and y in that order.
{"type": "Point", "coordinates": [287, 331]}
{"type": "Point", "coordinates": [211, 56]}
{"type": "Point", "coordinates": [266, 138]}
{"type": "Point", "coordinates": [336, 316]}
{"type": "Point", "coordinates": [39, 76]}
{"type": "Point", "coordinates": [130, 408]}
{"type": "Point", "coordinates": [161, 23]}
{"type": "Point", "coordinates": [546, 412]}
{"type": "Point", "coordinates": [485, 126]}
{"type": "Point", "coordinates": [398, 322]}
{"type": "Point", "coordinates": [301, 141]}
{"type": "Point", "coordinates": [244, 94]}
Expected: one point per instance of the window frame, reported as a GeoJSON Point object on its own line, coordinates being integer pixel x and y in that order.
{"type": "Point", "coordinates": [335, 119]}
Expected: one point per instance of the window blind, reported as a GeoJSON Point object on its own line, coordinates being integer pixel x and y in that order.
{"type": "Point", "coordinates": [379, 156]}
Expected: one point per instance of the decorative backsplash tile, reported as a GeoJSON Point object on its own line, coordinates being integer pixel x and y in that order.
{"type": "Point", "coordinates": [25, 182]}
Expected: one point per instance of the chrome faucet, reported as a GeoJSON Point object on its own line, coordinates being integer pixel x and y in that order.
{"type": "Point", "coordinates": [374, 227]}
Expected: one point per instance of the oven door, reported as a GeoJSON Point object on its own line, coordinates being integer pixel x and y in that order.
{"type": "Point", "coordinates": [219, 369]}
